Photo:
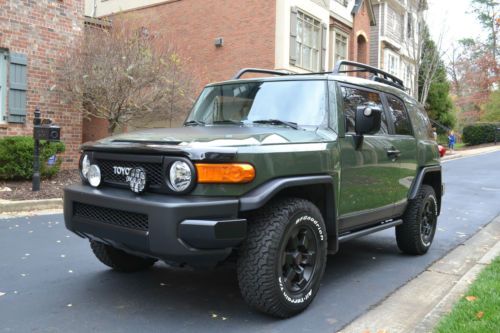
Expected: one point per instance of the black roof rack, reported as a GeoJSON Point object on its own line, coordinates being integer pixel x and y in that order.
{"type": "Point", "coordinates": [240, 73]}
{"type": "Point", "coordinates": [378, 74]}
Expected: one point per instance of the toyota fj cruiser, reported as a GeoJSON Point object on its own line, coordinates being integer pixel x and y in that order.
{"type": "Point", "coordinates": [275, 172]}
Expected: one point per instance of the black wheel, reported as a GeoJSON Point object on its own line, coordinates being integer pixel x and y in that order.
{"type": "Point", "coordinates": [416, 233]}
{"type": "Point", "coordinates": [120, 260]}
{"type": "Point", "coordinates": [283, 259]}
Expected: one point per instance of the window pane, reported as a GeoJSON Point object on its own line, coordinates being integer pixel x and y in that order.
{"type": "Point", "coordinates": [353, 98]}
{"type": "Point", "coordinates": [399, 116]}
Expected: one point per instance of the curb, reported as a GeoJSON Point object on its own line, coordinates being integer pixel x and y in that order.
{"type": "Point", "coordinates": [417, 308]}
{"type": "Point", "coordinates": [458, 291]}
{"type": "Point", "coordinates": [7, 206]}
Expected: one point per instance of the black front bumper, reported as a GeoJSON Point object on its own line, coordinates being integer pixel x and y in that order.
{"type": "Point", "coordinates": [195, 230]}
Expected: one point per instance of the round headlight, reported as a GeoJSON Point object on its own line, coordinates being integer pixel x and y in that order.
{"type": "Point", "coordinates": [94, 175]}
{"type": "Point", "coordinates": [85, 166]}
{"type": "Point", "coordinates": [180, 176]}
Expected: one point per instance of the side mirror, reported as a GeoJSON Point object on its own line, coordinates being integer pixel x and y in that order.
{"type": "Point", "coordinates": [368, 120]}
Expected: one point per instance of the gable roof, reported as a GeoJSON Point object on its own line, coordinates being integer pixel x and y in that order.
{"type": "Point", "coordinates": [357, 6]}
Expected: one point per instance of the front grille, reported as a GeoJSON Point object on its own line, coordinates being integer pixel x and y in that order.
{"type": "Point", "coordinates": [116, 217]}
{"type": "Point", "coordinates": [153, 171]}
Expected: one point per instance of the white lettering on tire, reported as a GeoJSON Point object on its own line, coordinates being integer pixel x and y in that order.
{"type": "Point", "coordinates": [314, 221]}
{"type": "Point", "coordinates": [291, 299]}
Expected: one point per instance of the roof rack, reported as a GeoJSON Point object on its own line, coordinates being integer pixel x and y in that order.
{"type": "Point", "coordinates": [378, 74]}
{"type": "Point", "coordinates": [240, 73]}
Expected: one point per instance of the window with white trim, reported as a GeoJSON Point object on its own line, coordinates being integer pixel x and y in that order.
{"type": "Point", "coordinates": [392, 63]}
{"type": "Point", "coordinates": [308, 42]}
{"type": "Point", "coordinates": [341, 44]}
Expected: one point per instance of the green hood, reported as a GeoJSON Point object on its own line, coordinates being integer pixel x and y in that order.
{"type": "Point", "coordinates": [218, 136]}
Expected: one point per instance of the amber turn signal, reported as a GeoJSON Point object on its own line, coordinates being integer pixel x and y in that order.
{"type": "Point", "coordinates": [225, 173]}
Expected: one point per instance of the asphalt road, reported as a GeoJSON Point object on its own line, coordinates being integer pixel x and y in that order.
{"type": "Point", "coordinates": [50, 281]}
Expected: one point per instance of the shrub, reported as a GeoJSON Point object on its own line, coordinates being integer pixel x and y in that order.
{"type": "Point", "coordinates": [16, 157]}
{"type": "Point", "coordinates": [478, 133]}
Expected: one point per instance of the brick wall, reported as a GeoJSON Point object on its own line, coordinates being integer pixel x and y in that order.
{"type": "Point", "coordinates": [44, 31]}
{"type": "Point", "coordinates": [248, 29]}
{"type": "Point", "coordinates": [360, 36]}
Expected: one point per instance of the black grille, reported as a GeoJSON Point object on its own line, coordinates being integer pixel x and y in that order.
{"type": "Point", "coordinates": [153, 171]}
{"type": "Point", "coordinates": [116, 217]}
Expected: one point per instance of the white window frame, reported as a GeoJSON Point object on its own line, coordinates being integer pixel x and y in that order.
{"type": "Point", "coordinates": [391, 59]}
{"type": "Point", "coordinates": [340, 33]}
{"type": "Point", "coordinates": [301, 44]}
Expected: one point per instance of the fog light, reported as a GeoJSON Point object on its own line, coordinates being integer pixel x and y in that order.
{"type": "Point", "coordinates": [137, 180]}
{"type": "Point", "coordinates": [180, 176]}
{"type": "Point", "coordinates": [94, 175]}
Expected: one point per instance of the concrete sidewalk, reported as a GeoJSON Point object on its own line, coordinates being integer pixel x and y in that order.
{"type": "Point", "coordinates": [470, 152]}
{"type": "Point", "coordinates": [418, 305]}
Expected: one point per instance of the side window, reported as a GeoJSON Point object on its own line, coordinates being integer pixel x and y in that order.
{"type": "Point", "coordinates": [402, 124]}
{"type": "Point", "coordinates": [352, 98]}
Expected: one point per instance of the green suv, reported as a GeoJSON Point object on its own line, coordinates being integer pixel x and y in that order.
{"type": "Point", "coordinates": [273, 172]}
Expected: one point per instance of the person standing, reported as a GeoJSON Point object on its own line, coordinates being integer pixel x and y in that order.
{"type": "Point", "coordinates": [451, 141]}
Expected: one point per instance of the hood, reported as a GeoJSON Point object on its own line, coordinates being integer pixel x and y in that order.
{"type": "Point", "coordinates": [217, 136]}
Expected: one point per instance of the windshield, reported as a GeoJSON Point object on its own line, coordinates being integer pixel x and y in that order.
{"type": "Point", "coordinates": [299, 102]}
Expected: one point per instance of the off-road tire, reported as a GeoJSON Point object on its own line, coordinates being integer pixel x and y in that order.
{"type": "Point", "coordinates": [120, 260]}
{"type": "Point", "coordinates": [266, 254]}
{"type": "Point", "coordinates": [410, 235]}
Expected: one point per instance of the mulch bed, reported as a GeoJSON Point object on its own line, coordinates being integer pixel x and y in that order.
{"type": "Point", "coordinates": [49, 188]}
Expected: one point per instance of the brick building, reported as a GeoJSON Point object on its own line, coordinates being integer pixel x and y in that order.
{"type": "Point", "coordinates": [34, 40]}
{"type": "Point", "coordinates": [222, 36]}
{"type": "Point", "coordinates": [350, 28]}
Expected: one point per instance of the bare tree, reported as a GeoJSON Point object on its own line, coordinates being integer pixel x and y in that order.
{"type": "Point", "coordinates": [424, 56]}
{"type": "Point", "coordinates": [125, 73]}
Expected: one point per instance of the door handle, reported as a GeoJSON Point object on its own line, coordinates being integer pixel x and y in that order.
{"type": "Point", "coordinates": [393, 152]}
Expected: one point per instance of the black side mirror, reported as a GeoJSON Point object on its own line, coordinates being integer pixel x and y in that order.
{"type": "Point", "coordinates": [368, 120]}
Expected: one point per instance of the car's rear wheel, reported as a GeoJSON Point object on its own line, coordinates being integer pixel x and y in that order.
{"type": "Point", "coordinates": [118, 259]}
{"type": "Point", "coordinates": [283, 259]}
{"type": "Point", "coordinates": [417, 232]}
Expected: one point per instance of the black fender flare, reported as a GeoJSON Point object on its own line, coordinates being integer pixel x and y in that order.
{"type": "Point", "coordinates": [418, 181]}
{"type": "Point", "coordinates": [261, 195]}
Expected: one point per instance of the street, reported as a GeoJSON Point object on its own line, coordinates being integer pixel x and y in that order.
{"type": "Point", "coordinates": [51, 282]}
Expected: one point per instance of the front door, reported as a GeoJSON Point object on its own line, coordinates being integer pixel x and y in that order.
{"type": "Point", "coordinates": [369, 173]}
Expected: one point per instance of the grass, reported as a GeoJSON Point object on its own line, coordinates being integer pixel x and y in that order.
{"type": "Point", "coordinates": [479, 310]}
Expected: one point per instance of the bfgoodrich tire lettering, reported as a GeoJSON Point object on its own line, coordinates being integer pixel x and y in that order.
{"type": "Point", "coordinates": [416, 234]}
{"type": "Point", "coordinates": [283, 259]}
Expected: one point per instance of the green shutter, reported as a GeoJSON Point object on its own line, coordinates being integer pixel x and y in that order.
{"type": "Point", "coordinates": [293, 35]}
{"type": "Point", "coordinates": [17, 88]}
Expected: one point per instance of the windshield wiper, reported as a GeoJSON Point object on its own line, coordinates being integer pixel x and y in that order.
{"type": "Point", "coordinates": [277, 122]}
{"type": "Point", "coordinates": [194, 123]}
{"type": "Point", "coordinates": [227, 121]}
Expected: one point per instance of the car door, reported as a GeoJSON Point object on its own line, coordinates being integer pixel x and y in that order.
{"type": "Point", "coordinates": [404, 144]}
{"type": "Point", "coordinates": [369, 173]}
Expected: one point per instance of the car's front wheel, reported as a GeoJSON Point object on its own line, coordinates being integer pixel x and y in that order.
{"type": "Point", "coordinates": [416, 234]}
{"type": "Point", "coordinates": [283, 259]}
{"type": "Point", "coordinates": [118, 259]}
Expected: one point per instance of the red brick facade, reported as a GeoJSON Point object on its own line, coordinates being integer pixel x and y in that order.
{"type": "Point", "coordinates": [359, 46]}
{"type": "Point", "coordinates": [44, 31]}
{"type": "Point", "coordinates": [247, 27]}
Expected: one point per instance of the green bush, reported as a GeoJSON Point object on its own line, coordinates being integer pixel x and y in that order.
{"type": "Point", "coordinates": [478, 133]}
{"type": "Point", "coordinates": [16, 157]}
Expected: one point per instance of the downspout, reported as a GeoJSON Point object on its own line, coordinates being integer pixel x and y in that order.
{"type": "Point", "coordinates": [94, 12]}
